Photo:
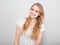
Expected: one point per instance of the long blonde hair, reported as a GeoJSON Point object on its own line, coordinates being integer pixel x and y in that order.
{"type": "Point", "coordinates": [38, 24]}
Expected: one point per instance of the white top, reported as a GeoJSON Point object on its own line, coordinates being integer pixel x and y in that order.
{"type": "Point", "coordinates": [25, 38]}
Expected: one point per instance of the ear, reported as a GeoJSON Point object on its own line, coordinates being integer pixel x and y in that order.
{"type": "Point", "coordinates": [39, 14]}
{"type": "Point", "coordinates": [38, 17]}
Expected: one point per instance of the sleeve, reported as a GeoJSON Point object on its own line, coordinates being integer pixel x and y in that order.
{"type": "Point", "coordinates": [20, 22]}
{"type": "Point", "coordinates": [43, 28]}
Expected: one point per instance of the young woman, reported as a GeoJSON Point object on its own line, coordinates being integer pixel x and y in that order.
{"type": "Point", "coordinates": [29, 31]}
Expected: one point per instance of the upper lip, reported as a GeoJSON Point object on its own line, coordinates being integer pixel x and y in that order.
{"type": "Point", "coordinates": [33, 14]}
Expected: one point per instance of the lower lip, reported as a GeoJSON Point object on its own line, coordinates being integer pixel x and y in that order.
{"type": "Point", "coordinates": [32, 15]}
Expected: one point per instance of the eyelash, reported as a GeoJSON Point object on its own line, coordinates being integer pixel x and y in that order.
{"type": "Point", "coordinates": [32, 9]}
{"type": "Point", "coordinates": [35, 10]}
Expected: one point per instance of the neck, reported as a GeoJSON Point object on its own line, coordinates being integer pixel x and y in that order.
{"type": "Point", "coordinates": [33, 20]}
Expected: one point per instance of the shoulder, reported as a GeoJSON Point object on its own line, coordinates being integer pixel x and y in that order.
{"type": "Point", "coordinates": [20, 21]}
{"type": "Point", "coordinates": [43, 27]}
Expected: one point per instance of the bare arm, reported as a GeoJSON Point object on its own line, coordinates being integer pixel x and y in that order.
{"type": "Point", "coordinates": [39, 39]}
{"type": "Point", "coordinates": [17, 36]}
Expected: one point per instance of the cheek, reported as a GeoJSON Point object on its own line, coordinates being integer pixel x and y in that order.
{"type": "Point", "coordinates": [31, 11]}
{"type": "Point", "coordinates": [37, 14]}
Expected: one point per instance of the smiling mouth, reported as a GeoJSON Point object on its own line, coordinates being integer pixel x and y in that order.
{"type": "Point", "coordinates": [32, 14]}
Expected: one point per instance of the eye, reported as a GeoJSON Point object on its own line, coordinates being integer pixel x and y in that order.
{"type": "Point", "coordinates": [36, 11]}
{"type": "Point", "coordinates": [32, 9]}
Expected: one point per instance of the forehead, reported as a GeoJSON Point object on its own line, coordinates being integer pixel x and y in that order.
{"type": "Point", "coordinates": [35, 7]}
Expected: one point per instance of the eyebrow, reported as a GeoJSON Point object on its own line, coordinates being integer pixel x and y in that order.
{"type": "Point", "coordinates": [35, 10]}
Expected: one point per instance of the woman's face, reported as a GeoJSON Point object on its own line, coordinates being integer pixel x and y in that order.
{"type": "Point", "coordinates": [34, 11]}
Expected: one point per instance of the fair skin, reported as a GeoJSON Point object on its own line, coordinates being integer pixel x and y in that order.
{"type": "Point", "coordinates": [17, 36]}
{"type": "Point", "coordinates": [34, 12]}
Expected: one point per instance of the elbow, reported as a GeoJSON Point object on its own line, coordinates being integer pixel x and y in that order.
{"type": "Point", "coordinates": [16, 42]}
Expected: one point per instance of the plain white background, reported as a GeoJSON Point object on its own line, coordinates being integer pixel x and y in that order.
{"type": "Point", "coordinates": [12, 10]}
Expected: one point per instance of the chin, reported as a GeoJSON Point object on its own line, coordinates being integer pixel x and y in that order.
{"type": "Point", "coordinates": [33, 17]}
